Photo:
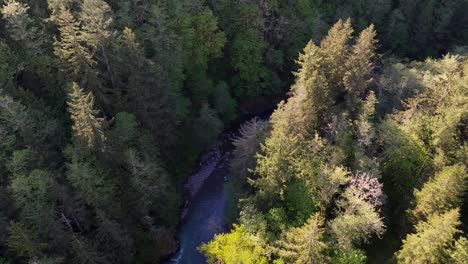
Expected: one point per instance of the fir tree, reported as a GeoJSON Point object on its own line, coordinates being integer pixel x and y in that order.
{"type": "Point", "coordinates": [432, 241]}
{"type": "Point", "coordinates": [442, 193]}
{"type": "Point", "coordinates": [86, 125]}
{"type": "Point", "coordinates": [76, 58]}
{"type": "Point", "coordinates": [96, 18]}
{"type": "Point", "coordinates": [19, 25]}
{"type": "Point", "coordinates": [305, 244]}
{"type": "Point", "coordinates": [460, 252]}
{"type": "Point", "coordinates": [360, 65]}
{"type": "Point", "coordinates": [335, 49]}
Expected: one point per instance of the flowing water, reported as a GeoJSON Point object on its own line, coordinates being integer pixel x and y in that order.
{"type": "Point", "coordinates": [205, 214]}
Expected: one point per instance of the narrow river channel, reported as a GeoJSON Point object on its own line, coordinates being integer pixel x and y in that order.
{"type": "Point", "coordinates": [205, 214]}
{"type": "Point", "coordinates": [205, 211]}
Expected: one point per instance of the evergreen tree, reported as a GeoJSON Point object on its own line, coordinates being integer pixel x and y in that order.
{"type": "Point", "coordinates": [357, 222]}
{"type": "Point", "coordinates": [86, 125]}
{"type": "Point", "coordinates": [360, 65]}
{"type": "Point", "coordinates": [19, 25]}
{"type": "Point", "coordinates": [432, 241]}
{"type": "Point", "coordinates": [75, 57]}
{"type": "Point", "coordinates": [24, 241]}
{"type": "Point", "coordinates": [460, 251]}
{"type": "Point", "coordinates": [246, 146]}
{"type": "Point", "coordinates": [365, 130]}
{"type": "Point", "coordinates": [96, 18]}
{"type": "Point", "coordinates": [312, 87]}
{"type": "Point", "coordinates": [305, 244]}
{"type": "Point", "coordinates": [146, 90]}
{"type": "Point", "coordinates": [442, 193]}
{"type": "Point", "coordinates": [335, 50]}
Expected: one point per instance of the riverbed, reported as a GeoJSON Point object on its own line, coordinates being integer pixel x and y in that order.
{"type": "Point", "coordinates": [205, 214]}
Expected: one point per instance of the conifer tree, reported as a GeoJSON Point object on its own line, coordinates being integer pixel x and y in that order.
{"type": "Point", "coordinates": [442, 193]}
{"type": "Point", "coordinates": [77, 59]}
{"type": "Point", "coordinates": [358, 221]}
{"type": "Point", "coordinates": [148, 93]}
{"type": "Point", "coordinates": [365, 129]}
{"type": "Point", "coordinates": [148, 178]}
{"type": "Point", "coordinates": [86, 125]}
{"type": "Point", "coordinates": [96, 19]}
{"type": "Point", "coordinates": [19, 25]}
{"type": "Point", "coordinates": [305, 244]}
{"type": "Point", "coordinates": [25, 241]}
{"type": "Point", "coordinates": [460, 252]}
{"type": "Point", "coordinates": [246, 146]}
{"type": "Point", "coordinates": [360, 65]}
{"type": "Point", "coordinates": [335, 49]}
{"type": "Point", "coordinates": [312, 87]}
{"type": "Point", "coordinates": [432, 241]}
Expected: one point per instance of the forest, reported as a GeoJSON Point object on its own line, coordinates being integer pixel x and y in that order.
{"type": "Point", "coordinates": [107, 105]}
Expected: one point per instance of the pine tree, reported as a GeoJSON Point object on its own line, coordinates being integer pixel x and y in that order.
{"type": "Point", "coordinates": [276, 158]}
{"type": "Point", "coordinates": [97, 19]}
{"type": "Point", "coordinates": [365, 129]}
{"type": "Point", "coordinates": [246, 146]}
{"type": "Point", "coordinates": [460, 252]}
{"type": "Point", "coordinates": [91, 180]}
{"type": "Point", "coordinates": [86, 125]}
{"type": "Point", "coordinates": [442, 193]}
{"type": "Point", "coordinates": [360, 66]}
{"type": "Point", "coordinates": [305, 244]}
{"type": "Point", "coordinates": [148, 92]}
{"type": "Point", "coordinates": [432, 241]}
{"type": "Point", "coordinates": [311, 88]}
{"type": "Point", "coordinates": [77, 59]}
{"type": "Point", "coordinates": [19, 25]}
{"type": "Point", "coordinates": [24, 241]}
{"type": "Point", "coordinates": [335, 49]}
{"type": "Point", "coordinates": [148, 178]}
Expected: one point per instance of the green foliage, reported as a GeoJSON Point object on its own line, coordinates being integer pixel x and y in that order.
{"type": "Point", "coordinates": [404, 160]}
{"type": "Point", "coordinates": [170, 75]}
{"type": "Point", "coordinates": [19, 26]}
{"type": "Point", "coordinates": [354, 256]}
{"type": "Point", "coordinates": [238, 246]}
{"type": "Point", "coordinates": [357, 222]}
{"type": "Point", "coordinates": [335, 51]}
{"type": "Point", "coordinates": [7, 65]}
{"type": "Point", "coordinates": [460, 252]}
{"type": "Point", "coordinates": [125, 131]}
{"type": "Point", "coordinates": [86, 125]}
{"type": "Point", "coordinates": [25, 241]}
{"type": "Point", "coordinates": [30, 189]}
{"type": "Point", "coordinates": [223, 103]}
{"type": "Point", "coordinates": [300, 202]}
{"type": "Point", "coordinates": [247, 61]}
{"type": "Point", "coordinates": [76, 58]}
{"type": "Point", "coordinates": [360, 65]}
{"type": "Point", "coordinates": [432, 241]}
{"type": "Point", "coordinates": [206, 119]}
{"type": "Point", "coordinates": [305, 244]}
{"type": "Point", "coordinates": [91, 181]}
{"type": "Point", "coordinates": [247, 144]}
{"type": "Point", "coordinates": [442, 193]}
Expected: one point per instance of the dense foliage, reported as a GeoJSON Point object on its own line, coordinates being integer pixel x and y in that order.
{"type": "Point", "coordinates": [364, 149]}
{"type": "Point", "coordinates": [105, 106]}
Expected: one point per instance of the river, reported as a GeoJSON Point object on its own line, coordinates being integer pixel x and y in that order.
{"type": "Point", "coordinates": [205, 214]}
